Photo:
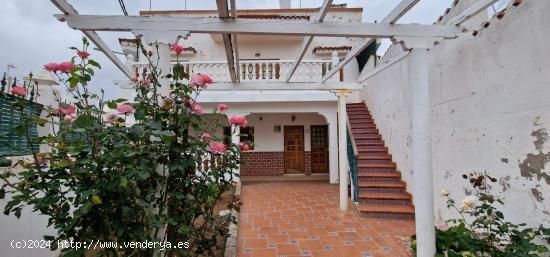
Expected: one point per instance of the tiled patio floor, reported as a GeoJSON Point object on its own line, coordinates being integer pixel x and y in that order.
{"type": "Point", "coordinates": [302, 218]}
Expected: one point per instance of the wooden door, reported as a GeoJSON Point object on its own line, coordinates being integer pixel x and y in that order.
{"type": "Point", "coordinates": [294, 149]}
{"type": "Point", "coordinates": [319, 149]}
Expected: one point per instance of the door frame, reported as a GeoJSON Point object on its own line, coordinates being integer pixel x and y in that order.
{"type": "Point", "coordinates": [326, 144]}
{"type": "Point", "coordinates": [303, 149]}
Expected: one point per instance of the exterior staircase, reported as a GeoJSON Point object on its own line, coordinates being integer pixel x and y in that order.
{"type": "Point", "coordinates": [382, 193]}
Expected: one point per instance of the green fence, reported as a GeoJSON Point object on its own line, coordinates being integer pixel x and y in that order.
{"type": "Point", "coordinates": [11, 116]}
{"type": "Point", "coordinates": [352, 160]}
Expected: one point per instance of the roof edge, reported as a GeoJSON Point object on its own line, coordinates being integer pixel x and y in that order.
{"type": "Point", "coordinates": [247, 11]}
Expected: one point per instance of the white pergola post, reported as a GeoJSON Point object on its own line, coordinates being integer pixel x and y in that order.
{"type": "Point", "coordinates": [342, 148]}
{"type": "Point", "coordinates": [422, 152]}
{"type": "Point", "coordinates": [236, 139]}
{"type": "Point", "coordinates": [165, 58]}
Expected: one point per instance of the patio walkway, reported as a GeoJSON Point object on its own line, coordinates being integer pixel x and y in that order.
{"type": "Point", "coordinates": [302, 218]}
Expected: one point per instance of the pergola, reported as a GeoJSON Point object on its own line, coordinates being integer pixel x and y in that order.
{"type": "Point", "coordinates": [416, 39]}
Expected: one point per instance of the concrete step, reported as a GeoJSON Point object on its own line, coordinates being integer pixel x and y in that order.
{"type": "Point", "coordinates": [371, 149]}
{"type": "Point", "coordinates": [387, 211]}
{"type": "Point", "coordinates": [399, 184]}
{"type": "Point", "coordinates": [360, 141]}
{"type": "Point", "coordinates": [374, 156]}
{"type": "Point", "coordinates": [368, 174]}
{"type": "Point", "coordinates": [381, 165]}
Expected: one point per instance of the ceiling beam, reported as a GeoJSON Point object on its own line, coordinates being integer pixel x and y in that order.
{"type": "Point", "coordinates": [307, 41]}
{"type": "Point", "coordinates": [223, 14]}
{"type": "Point", "coordinates": [257, 27]}
{"type": "Point", "coordinates": [401, 9]}
{"type": "Point", "coordinates": [471, 12]}
{"type": "Point", "coordinates": [68, 9]}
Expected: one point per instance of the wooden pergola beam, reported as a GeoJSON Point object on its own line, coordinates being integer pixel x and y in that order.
{"type": "Point", "coordinates": [471, 12]}
{"type": "Point", "coordinates": [68, 9]}
{"type": "Point", "coordinates": [307, 41]}
{"type": "Point", "coordinates": [223, 13]}
{"type": "Point", "coordinates": [383, 67]}
{"type": "Point", "coordinates": [401, 9]}
{"type": "Point", "coordinates": [257, 27]}
{"type": "Point", "coordinates": [235, 42]}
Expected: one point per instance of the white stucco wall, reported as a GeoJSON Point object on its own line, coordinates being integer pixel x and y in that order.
{"type": "Point", "coordinates": [266, 140]}
{"type": "Point", "coordinates": [490, 98]}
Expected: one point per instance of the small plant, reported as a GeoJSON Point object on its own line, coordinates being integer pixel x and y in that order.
{"type": "Point", "coordinates": [481, 229]}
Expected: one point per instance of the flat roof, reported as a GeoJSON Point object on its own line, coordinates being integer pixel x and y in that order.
{"type": "Point", "coordinates": [253, 11]}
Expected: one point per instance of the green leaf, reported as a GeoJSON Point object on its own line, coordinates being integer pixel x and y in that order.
{"type": "Point", "coordinates": [2, 193]}
{"type": "Point", "coordinates": [73, 81]}
{"type": "Point", "coordinates": [123, 182]}
{"type": "Point", "coordinates": [121, 100]}
{"type": "Point", "coordinates": [90, 71]}
{"type": "Point", "coordinates": [112, 105]}
{"type": "Point", "coordinates": [94, 63]}
{"type": "Point", "coordinates": [83, 121]}
{"type": "Point", "coordinates": [85, 209]}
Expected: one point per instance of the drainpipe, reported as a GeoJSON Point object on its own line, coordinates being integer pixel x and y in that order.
{"type": "Point", "coordinates": [422, 152]}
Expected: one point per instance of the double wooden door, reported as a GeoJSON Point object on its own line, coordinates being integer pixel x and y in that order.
{"type": "Point", "coordinates": [294, 149]}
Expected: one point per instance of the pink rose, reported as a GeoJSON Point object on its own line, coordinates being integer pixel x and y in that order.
{"type": "Point", "coordinates": [197, 109]}
{"type": "Point", "coordinates": [66, 109]}
{"type": "Point", "coordinates": [52, 67]}
{"type": "Point", "coordinates": [443, 227]}
{"type": "Point", "coordinates": [66, 67]}
{"type": "Point", "coordinates": [197, 80]}
{"type": "Point", "coordinates": [125, 109]}
{"type": "Point", "coordinates": [112, 117]}
{"type": "Point", "coordinates": [69, 119]}
{"type": "Point", "coordinates": [177, 48]}
{"type": "Point", "coordinates": [238, 120]}
{"type": "Point", "coordinates": [207, 79]}
{"type": "Point", "coordinates": [83, 54]}
{"type": "Point", "coordinates": [205, 136]}
{"type": "Point", "coordinates": [20, 91]}
{"type": "Point", "coordinates": [244, 147]}
{"type": "Point", "coordinates": [222, 107]}
{"type": "Point", "coordinates": [217, 147]}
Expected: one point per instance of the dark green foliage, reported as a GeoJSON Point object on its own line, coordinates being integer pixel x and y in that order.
{"type": "Point", "coordinates": [108, 180]}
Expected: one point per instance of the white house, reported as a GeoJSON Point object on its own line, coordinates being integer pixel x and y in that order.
{"type": "Point", "coordinates": [275, 117]}
{"type": "Point", "coordinates": [468, 93]}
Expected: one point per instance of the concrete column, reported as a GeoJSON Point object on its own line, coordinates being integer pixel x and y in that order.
{"type": "Point", "coordinates": [333, 146]}
{"type": "Point", "coordinates": [422, 152]}
{"type": "Point", "coordinates": [342, 149]}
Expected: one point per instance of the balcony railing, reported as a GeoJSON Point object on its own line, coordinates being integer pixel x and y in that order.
{"type": "Point", "coordinates": [261, 70]}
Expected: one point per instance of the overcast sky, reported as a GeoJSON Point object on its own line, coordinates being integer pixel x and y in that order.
{"type": "Point", "coordinates": [31, 36]}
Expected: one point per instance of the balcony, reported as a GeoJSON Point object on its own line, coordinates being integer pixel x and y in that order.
{"type": "Point", "coordinates": [261, 70]}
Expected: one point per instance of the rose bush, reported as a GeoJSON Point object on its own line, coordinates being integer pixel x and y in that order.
{"type": "Point", "coordinates": [153, 180]}
{"type": "Point", "coordinates": [481, 229]}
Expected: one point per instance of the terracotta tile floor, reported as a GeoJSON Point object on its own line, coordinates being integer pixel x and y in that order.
{"type": "Point", "coordinates": [302, 218]}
